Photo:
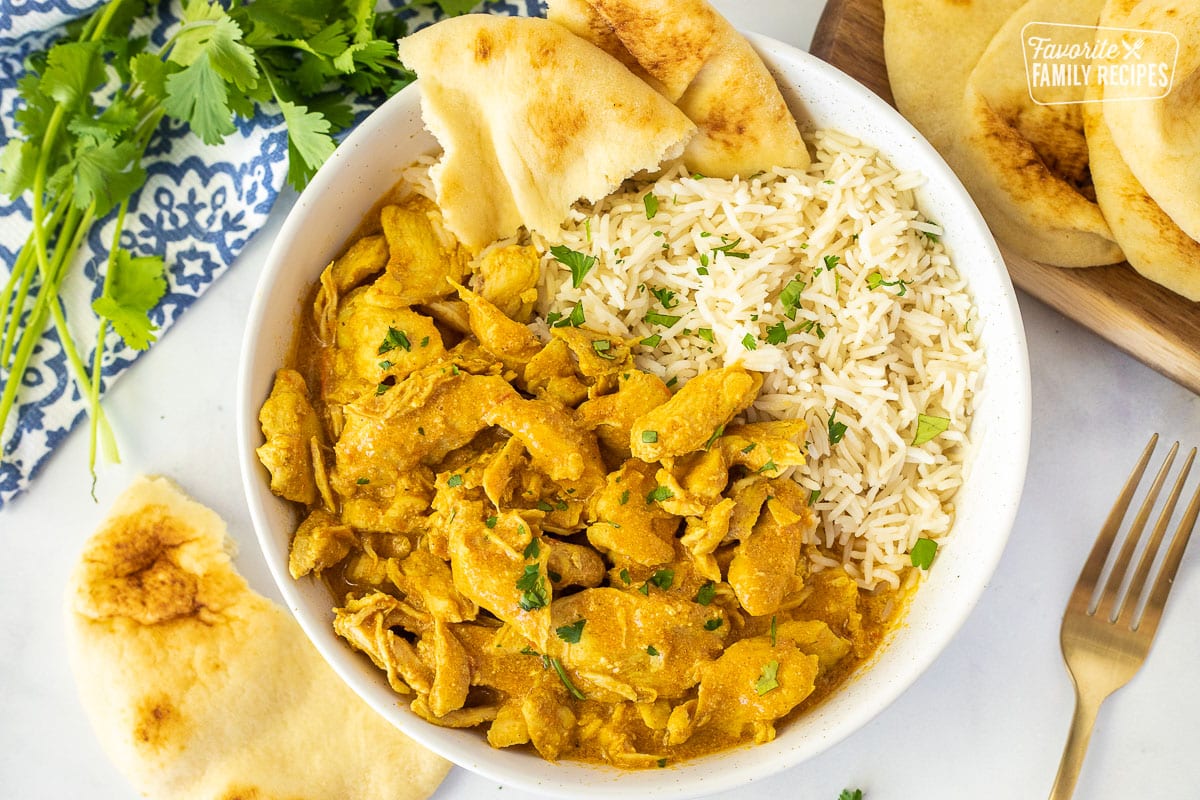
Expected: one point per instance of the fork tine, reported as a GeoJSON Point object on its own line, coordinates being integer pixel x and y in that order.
{"type": "Point", "coordinates": [1108, 598]}
{"type": "Point", "coordinates": [1170, 566]}
{"type": "Point", "coordinates": [1151, 552]}
{"type": "Point", "coordinates": [1090, 574]}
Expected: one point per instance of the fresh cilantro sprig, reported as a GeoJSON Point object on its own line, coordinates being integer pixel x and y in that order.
{"type": "Point", "coordinates": [89, 106]}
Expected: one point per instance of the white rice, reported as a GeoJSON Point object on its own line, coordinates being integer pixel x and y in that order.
{"type": "Point", "coordinates": [875, 355]}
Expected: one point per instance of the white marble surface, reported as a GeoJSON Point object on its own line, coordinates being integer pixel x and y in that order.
{"type": "Point", "coordinates": [986, 721]}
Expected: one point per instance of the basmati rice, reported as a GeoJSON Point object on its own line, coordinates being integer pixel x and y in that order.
{"type": "Point", "coordinates": [882, 331]}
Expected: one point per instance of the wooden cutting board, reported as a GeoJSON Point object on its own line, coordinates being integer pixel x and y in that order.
{"type": "Point", "coordinates": [1155, 326]}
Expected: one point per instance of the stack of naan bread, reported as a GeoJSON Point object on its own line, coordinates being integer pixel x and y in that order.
{"type": "Point", "coordinates": [534, 115]}
{"type": "Point", "coordinates": [1077, 184]}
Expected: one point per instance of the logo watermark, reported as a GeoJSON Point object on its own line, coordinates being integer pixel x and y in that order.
{"type": "Point", "coordinates": [1062, 60]}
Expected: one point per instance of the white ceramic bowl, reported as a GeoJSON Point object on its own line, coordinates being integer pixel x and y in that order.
{"type": "Point", "coordinates": [368, 163]}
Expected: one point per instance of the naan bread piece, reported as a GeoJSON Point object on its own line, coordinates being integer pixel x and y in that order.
{"type": "Point", "coordinates": [1153, 244]}
{"type": "Point", "coordinates": [1160, 139]}
{"type": "Point", "coordinates": [701, 63]}
{"type": "Point", "coordinates": [1027, 164]}
{"type": "Point", "coordinates": [200, 689]}
{"type": "Point", "coordinates": [932, 47]}
{"type": "Point", "coordinates": [531, 118]}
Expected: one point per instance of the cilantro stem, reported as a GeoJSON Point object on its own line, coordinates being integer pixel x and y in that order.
{"type": "Point", "coordinates": [98, 356]}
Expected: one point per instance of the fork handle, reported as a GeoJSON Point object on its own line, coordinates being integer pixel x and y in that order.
{"type": "Point", "coordinates": [1086, 709]}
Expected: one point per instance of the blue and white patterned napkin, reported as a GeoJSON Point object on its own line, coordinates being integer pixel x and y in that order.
{"type": "Point", "coordinates": [198, 208]}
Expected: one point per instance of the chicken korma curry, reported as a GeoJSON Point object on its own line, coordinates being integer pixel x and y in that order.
{"type": "Point", "coordinates": [533, 537]}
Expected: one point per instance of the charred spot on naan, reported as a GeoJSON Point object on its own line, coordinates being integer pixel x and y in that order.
{"type": "Point", "coordinates": [137, 576]}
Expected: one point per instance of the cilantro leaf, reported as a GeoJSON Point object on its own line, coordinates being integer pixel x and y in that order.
{"type": "Point", "coordinates": [532, 586]}
{"type": "Point", "coordinates": [922, 553]}
{"type": "Point", "coordinates": [73, 71]}
{"type": "Point", "coordinates": [571, 633]}
{"type": "Point", "coordinates": [106, 174]}
{"type": "Point", "coordinates": [836, 429]}
{"type": "Point", "coordinates": [135, 286]}
{"type": "Point", "coordinates": [197, 95]}
{"type": "Point", "coordinates": [929, 428]}
{"type": "Point", "coordinates": [767, 680]}
{"type": "Point", "coordinates": [579, 263]}
{"type": "Point", "coordinates": [309, 142]}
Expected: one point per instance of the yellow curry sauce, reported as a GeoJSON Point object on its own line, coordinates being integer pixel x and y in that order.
{"type": "Point", "coordinates": [535, 537]}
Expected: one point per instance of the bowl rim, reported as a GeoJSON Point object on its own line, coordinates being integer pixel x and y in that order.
{"type": "Point", "coordinates": [684, 780]}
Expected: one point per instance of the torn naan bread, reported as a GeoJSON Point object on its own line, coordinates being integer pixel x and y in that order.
{"type": "Point", "coordinates": [531, 119]}
{"type": "Point", "coordinates": [1160, 138]}
{"type": "Point", "coordinates": [200, 689]}
{"type": "Point", "coordinates": [691, 54]}
{"type": "Point", "coordinates": [1026, 164]}
{"type": "Point", "coordinates": [1153, 244]}
{"type": "Point", "coordinates": [957, 73]}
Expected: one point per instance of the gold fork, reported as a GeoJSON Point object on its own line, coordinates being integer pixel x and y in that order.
{"type": "Point", "coordinates": [1105, 636]}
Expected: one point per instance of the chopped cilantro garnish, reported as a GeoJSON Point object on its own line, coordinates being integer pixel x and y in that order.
{"type": "Point", "coordinates": [385, 365]}
{"type": "Point", "coordinates": [789, 298]}
{"type": "Point", "coordinates": [655, 318]}
{"type": "Point", "coordinates": [851, 795]}
{"type": "Point", "coordinates": [533, 588]}
{"type": "Point", "coordinates": [542, 505]}
{"type": "Point", "coordinates": [773, 630]}
{"type": "Point", "coordinates": [579, 263]}
{"type": "Point", "coordinates": [574, 319]}
{"type": "Point", "coordinates": [663, 578]}
{"type": "Point", "coordinates": [491, 521]}
{"type": "Point", "coordinates": [716, 434]}
{"type": "Point", "coordinates": [727, 248]}
{"type": "Point", "coordinates": [875, 280]}
{"type": "Point", "coordinates": [625, 576]}
{"type": "Point", "coordinates": [777, 333]}
{"type": "Point", "coordinates": [922, 553]}
{"type": "Point", "coordinates": [651, 204]}
{"type": "Point", "coordinates": [662, 762]}
{"type": "Point", "coordinates": [649, 437]}
{"type": "Point", "coordinates": [652, 340]}
{"type": "Point", "coordinates": [929, 428]}
{"type": "Point", "coordinates": [748, 449]}
{"type": "Point", "coordinates": [651, 650]}
{"type": "Point", "coordinates": [770, 466]}
{"type": "Point", "coordinates": [674, 380]}
{"type": "Point", "coordinates": [706, 334]}
{"type": "Point", "coordinates": [836, 429]}
{"type": "Point", "coordinates": [381, 388]}
{"type": "Point", "coordinates": [571, 633]}
{"type": "Point", "coordinates": [766, 681]}
{"type": "Point", "coordinates": [603, 348]}
{"type": "Point", "coordinates": [363, 481]}
{"type": "Point", "coordinates": [706, 593]}
{"type": "Point", "coordinates": [532, 550]}
{"type": "Point", "coordinates": [666, 297]}
{"type": "Point", "coordinates": [644, 589]}
{"type": "Point", "coordinates": [749, 342]}
{"type": "Point", "coordinates": [394, 339]}
{"type": "Point", "coordinates": [562, 676]}
{"type": "Point", "coordinates": [814, 496]}
{"type": "Point", "coordinates": [658, 494]}
{"type": "Point", "coordinates": [713, 624]}
{"type": "Point", "coordinates": [624, 497]}
{"type": "Point", "coordinates": [454, 480]}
